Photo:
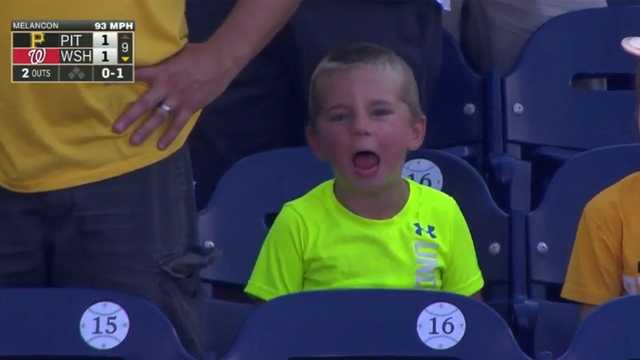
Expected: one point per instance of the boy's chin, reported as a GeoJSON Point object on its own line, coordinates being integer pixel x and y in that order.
{"type": "Point", "coordinates": [369, 184]}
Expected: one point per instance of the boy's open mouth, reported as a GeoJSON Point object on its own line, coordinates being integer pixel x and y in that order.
{"type": "Point", "coordinates": [365, 160]}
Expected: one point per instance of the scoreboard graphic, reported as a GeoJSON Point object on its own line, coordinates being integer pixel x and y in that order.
{"type": "Point", "coordinates": [72, 51]}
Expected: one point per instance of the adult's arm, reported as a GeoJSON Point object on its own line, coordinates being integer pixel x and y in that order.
{"type": "Point", "coordinates": [199, 73]}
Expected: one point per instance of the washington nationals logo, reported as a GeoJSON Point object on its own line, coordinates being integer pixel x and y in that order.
{"type": "Point", "coordinates": [37, 56]}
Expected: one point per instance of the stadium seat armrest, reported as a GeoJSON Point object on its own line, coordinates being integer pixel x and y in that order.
{"type": "Point", "coordinates": [513, 181]}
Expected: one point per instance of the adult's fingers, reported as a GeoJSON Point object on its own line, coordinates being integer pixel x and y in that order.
{"type": "Point", "coordinates": [145, 103]}
{"type": "Point", "coordinates": [177, 124]}
{"type": "Point", "coordinates": [162, 113]}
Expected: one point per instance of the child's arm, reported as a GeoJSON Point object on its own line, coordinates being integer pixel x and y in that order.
{"type": "Point", "coordinates": [462, 274]}
{"type": "Point", "coordinates": [594, 274]}
{"type": "Point", "coordinates": [279, 268]}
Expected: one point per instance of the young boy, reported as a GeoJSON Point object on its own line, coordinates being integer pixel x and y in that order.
{"type": "Point", "coordinates": [605, 259]}
{"type": "Point", "coordinates": [368, 227]}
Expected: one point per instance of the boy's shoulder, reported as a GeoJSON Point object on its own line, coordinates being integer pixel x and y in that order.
{"type": "Point", "coordinates": [626, 185]}
{"type": "Point", "coordinates": [311, 199]}
{"type": "Point", "coordinates": [426, 194]}
{"type": "Point", "coordinates": [616, 195]}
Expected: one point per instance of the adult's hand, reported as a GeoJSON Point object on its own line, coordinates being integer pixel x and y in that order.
{"type": "Point", "coordinates": [178, 87]}
{"type": "Point", "coordinates": [199, 73]}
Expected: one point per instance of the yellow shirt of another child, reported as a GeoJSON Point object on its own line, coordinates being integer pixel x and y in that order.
{"type": "Point", "coordinates": [605, 262]}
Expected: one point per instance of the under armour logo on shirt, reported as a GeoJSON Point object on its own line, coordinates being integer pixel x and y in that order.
{"type": "Point", "coordinates": [431, 230]}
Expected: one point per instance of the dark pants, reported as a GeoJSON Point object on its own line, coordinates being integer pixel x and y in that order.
{"type": "Point", "coordinates": [130, 233]}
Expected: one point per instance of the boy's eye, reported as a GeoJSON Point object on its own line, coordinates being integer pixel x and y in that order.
{"type": "Point", "coordinates": [381, 112]}
{"type": "Point", "coordinates": [338, 117]}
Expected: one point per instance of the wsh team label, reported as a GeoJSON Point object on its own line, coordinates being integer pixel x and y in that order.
{"type": "Point", "coordinates": [72, 51]}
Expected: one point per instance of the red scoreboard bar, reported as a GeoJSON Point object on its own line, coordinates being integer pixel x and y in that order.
{"type": "Point", "coordinates": [36, 56]}
{"type": "Point", "coordinates": [72, 51]}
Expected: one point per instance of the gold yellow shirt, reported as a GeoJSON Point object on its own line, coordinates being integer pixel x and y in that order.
{"type": "Point", "coordinates": [605, 262]}
{"type": "Point", "coordinates": [55, 136]}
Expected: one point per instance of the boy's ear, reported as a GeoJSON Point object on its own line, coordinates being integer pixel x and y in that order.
{"type": "Point", "coordinates": [418, 132]}
{"type": "Point", "coordinates": [313, 141]}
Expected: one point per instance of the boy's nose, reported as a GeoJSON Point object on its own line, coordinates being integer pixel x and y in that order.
{"type": "Point", "coordinates": [361, 124]}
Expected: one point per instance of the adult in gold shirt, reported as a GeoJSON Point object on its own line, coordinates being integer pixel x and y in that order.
{"type": "Point", "coordinates": [605, 262]}
{"type": "Point", "coordinates": [95, 186]}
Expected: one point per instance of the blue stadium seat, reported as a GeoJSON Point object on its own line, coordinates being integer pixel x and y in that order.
{"type": "Point", "coordinates": [549, 232]}
{"type": "Point", "coordinates": [48, 323]}
{"type": "Point", "coordinates": [373, 324]}
{"type": "Point", "coordinates": [457, 110]}
{"type": "Point", "coordinates": [489, 225]}
{"type": "Point", "coordinates": [610, 332]}
{"type": "Point", "coordinates": [221, 321]}
{"type": "Point", "coordinates": [552, 106]}
{"type": "Point", "coordinates": [246, 202]}
{"type": "Point", "coordinates": [243, 206]}
{"type": "Point", "coordinates": [623, 2]}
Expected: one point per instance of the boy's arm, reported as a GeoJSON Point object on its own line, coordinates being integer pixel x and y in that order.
{"type": "Point", "coordinates": [279, 269]}
{"type": "Point", "coordinates": [462, 274]}
{"type": "Point", "coordinates": [199, 73]}
{"type": "Point", "coordinates": [594, 274]}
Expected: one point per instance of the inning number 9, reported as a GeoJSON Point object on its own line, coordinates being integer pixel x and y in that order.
{"type": "Point", "coordinates": [125, 47]}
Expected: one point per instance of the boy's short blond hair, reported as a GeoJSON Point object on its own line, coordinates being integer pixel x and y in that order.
{"type": "Point", "coordinates": [359, 54]}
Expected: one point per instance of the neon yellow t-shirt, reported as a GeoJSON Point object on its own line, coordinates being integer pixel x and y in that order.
{"type": "Point", "coordinates": [56, 136]}
{"type": "Point", "coordinates": [316, 243]}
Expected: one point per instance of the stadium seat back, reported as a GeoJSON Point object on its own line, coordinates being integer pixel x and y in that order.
{"type": "Point", "coordinates": [609, 332]}
{"type": "Point", "coordinates": [221, 322]}
{"type": "Point", "coordinates": [552, 226]}
{"type": "Point", "coordinates": [245, 203]}
{"type": "Point", "coordinates": [374, 324]}
{"type": "Point", "coordinates": [571, 90]}
{"type": "Point", "coordinates": [551, 230]}
{"type": "Point", "coordinates": [456, 111]}
{"type": "Point", "coordinates": [83, 324]}
{"type": "Point", "coordinates": [548, 97]}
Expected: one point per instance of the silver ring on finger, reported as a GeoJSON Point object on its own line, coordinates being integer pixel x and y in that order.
{"type": "Point", "coordinates": [164, 107]}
